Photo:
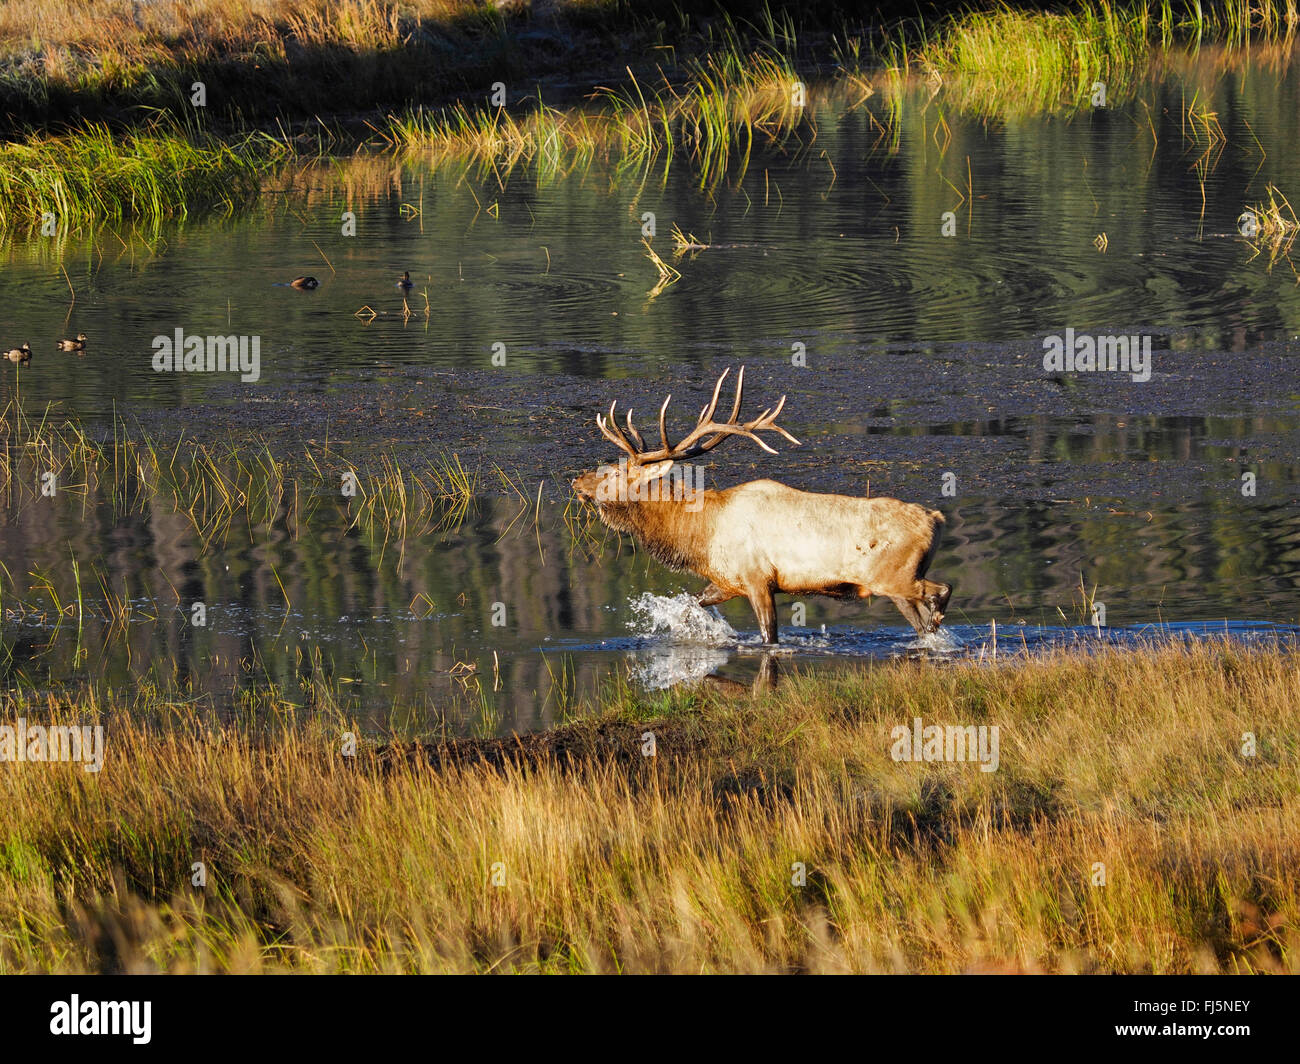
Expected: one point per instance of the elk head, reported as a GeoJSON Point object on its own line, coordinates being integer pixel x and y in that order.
{"type": "Point", "coordinates": [633, 478]}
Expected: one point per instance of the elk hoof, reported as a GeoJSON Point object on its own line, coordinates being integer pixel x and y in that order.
{"type": "Point", "coordinates": [935, 604]}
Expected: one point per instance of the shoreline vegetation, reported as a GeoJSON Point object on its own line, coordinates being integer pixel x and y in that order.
{"type": "Point", "coordinates": [87, 90]}
{"type": "Point", "coordinates": [220, 485]}
{"type": "Point", "coordinates": [1129, 827]}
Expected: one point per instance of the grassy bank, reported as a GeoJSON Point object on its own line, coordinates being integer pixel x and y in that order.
{"type": "Point", "coordinates": [702, 85]}
{"type": "Point", "coordinates": [291, 60]}
{"type": "Point", "coordinates": [574, 852]}
{"type": "Point", "coordinates": [260, 60]}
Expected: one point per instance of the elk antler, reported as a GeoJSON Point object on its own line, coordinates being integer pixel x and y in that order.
{"type": "Point", "coordinates": [707, 433]}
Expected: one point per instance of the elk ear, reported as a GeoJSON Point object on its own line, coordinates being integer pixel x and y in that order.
{"type": "Point", "coordinates": [654, 471]}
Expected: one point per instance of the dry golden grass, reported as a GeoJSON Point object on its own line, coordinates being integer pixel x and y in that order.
{"type": "Point", "coordinates": [609, 861]}
{"type": "Point", "coordinates": [261, 60]}
{"type": "Point", "coordinates": [130, 28]}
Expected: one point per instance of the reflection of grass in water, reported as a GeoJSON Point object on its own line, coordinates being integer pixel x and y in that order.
{"type": "Point", "coordinates": [588, 534]}
{"type": "Point", "coordinates": [216, 486]}
{"type": "Point", "coordinates": [609, 860]}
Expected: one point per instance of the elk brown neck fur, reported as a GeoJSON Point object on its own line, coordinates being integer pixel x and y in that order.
{"type": "Point", "coordinates": [674, 536]}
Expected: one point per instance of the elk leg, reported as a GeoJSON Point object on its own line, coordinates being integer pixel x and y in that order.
{"type": "Point", "coordinates": [714, 595]}
{"type": "Point", "coordinates": [765, 610]}
{"type": "Point", "coordinates": [911, 614]}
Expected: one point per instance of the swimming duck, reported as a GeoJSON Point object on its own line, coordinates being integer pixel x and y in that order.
{"type": "Point", "coordinates": [73, 345]}
{"type": "Point", "coordinates": [19, 354]}
{"type": "Point", "coordinates": [304, 282]}
{"type": "Point", "coordinates": [406, 281]}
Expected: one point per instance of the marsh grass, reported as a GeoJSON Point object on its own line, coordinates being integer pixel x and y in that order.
{"type": "Point", "coordinates": [999, 61]}
{"type": "Point", "coordinates": [95, 175]}
{"type": "Point", "coordinates": [613, 861]}
{"type": "Point", "coordinates": [686, 243]}
{"type": "Point", "coordinates": [1276, 228]}
{"type": "Point", "coordinates": [736, 87]}
{"type": "Point", "coordinates": [219, 486]}
{"type": "Point", "coordinates": [712, 118]}
{"type": "Point", "coordinates": [1276, 220]}
{"type": "Point", "coordinates": [1002, 61]}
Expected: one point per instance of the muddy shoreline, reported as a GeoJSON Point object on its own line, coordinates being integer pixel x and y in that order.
{"type": "Point", "coordinates": [892, 415]}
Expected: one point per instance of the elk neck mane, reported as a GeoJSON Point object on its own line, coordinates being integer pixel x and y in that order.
{"type": "Point", "coordinates": [673, 535]}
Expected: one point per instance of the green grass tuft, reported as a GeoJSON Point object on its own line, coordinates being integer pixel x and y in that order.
{"type": "Point", "coordinates": [95, 175]}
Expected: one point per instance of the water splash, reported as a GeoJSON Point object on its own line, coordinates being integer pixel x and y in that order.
{"type": "Point", "coordinates": [682, 619]}
{"type": "Point", "coordinates": [793, 641]}
{"type": "Point", "coordinates": [944, 641]}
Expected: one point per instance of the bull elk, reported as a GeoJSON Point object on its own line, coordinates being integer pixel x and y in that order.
{"type": "Point", "coordinates": [762, 537]}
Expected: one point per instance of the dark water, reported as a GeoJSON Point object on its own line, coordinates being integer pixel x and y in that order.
{"type": "Point", "coordinates": [923, 357]}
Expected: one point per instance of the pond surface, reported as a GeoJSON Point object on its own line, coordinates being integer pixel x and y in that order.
{"type": "Point", "coordinates": [913, 362]}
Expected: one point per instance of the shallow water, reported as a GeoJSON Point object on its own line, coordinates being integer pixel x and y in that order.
{"type": "Point", "coordinates": [923, 359]}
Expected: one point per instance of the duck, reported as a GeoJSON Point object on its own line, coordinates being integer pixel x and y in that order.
{"type": "Point", "coordinates": [19, 354]}
{"type": "Point", "coordinates": [73, 345]}
{"type": "Point", "coordinates": [406, 281]}
{"type": "Point", "coordinates": [304, 282]}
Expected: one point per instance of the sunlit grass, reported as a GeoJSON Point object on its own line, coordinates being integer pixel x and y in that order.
{"type": "Point", "coordinates": [1005, 61]}
{"type": "Point", "coordinates": [1271, 227]}
{"type": "Point", "coordinates": [736, 88]}
{"type": "Point", "coordinates": [1276, 221]}
{"type": "Point", "coordinates": [150, 53]}
{"type": "Point", "coordinates": [999, 60]}
{"type": "Point", "coordinates": [94, 175]}
{"type": "Point", "coordinates": [1128, 828]}
{"type": "Point", "coordinates": [711, 119]}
